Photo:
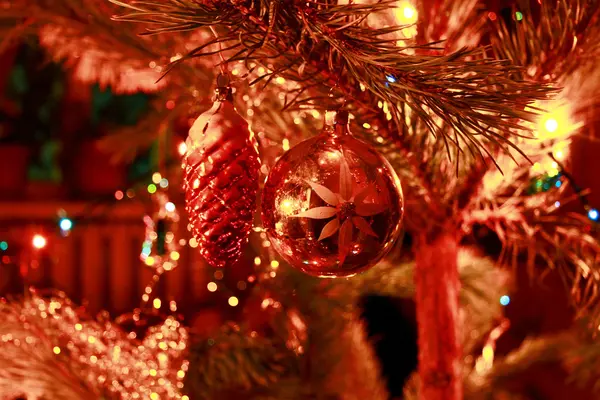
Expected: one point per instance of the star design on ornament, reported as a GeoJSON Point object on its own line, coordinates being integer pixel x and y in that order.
{"type": "Point", "coordinates": [349, 207]}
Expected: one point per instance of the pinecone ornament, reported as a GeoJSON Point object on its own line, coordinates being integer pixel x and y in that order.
{"type": "Point", "coordinates": [221, 180]}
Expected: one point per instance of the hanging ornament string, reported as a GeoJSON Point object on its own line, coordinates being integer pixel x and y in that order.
{"type": "Point", "coordinates": [223, 64]}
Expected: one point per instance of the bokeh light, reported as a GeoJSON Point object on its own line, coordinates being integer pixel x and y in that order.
{"type": "Point", "coordinates": [39, 241]}
{"type": "Point", "coordinates": [65, 224]}
{"type": "Point", "coordinates": [233, 301]}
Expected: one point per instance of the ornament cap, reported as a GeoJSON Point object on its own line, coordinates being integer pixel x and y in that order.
{"type": "Point", "coordinates": [340, 123]}
{"type": "Point", "coordinates": [223, 90]}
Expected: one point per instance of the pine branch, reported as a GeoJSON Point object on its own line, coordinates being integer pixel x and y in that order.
{"type": "Point", "coordinates": [552, 39]}
{"type": "Point", "coordinates": [476, 97]}
{"type": "Point", "coordinates": [542, 351]}
{"type": "Point", "coordinates": [234, 362]}
{"type": "Point", "coordinates": [532, 226]}
{"type": "Point", "coordinates": [80, 34]}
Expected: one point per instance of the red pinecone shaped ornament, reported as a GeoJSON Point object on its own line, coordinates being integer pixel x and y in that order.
{"type": "Point", "coordinates": [221, 181]}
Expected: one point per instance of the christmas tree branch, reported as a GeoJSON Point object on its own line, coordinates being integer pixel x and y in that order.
{"type": "Point", "coordinates": [80, 33]}
{"type": "Point", "coordinates": [550, 39]}
{"type": "Point", "coordinates": [506, 372]}
{"type": "Point", "coordinates": [474, 96]}
{"type": "Point", "coordinates": [533, 226]}
{"type": "Point", "coordinates": [234, 362]}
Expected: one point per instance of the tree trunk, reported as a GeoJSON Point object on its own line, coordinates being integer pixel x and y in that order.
{"type": "Point", "coordinates": [437, 283]}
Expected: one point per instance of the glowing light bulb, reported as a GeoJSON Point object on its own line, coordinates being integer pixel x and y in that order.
{"type": "Point", "coordinates": [593, 214]}
{"type": "Point", "coordinates": [3, 246]}
{"type": "Point", "coordinates": [39, 242]}
{"type": "Point", "coordinates": [212, 287]}
{"type": "Point", "coordinates": [409, 12]}
{"type": "Point", "coordinates": [559, 154]}
{"type": "Point", "coordinates": [233, 301]}
{"type": "Point", "coordinates": [505, 300]}
{"type": "Point", "coordinates": [551, 125]}
{"type": "Point", "coordinates": [65, 224]}
{"type": "Point", "coordinates": [170, 207]}
{"type": "Point", "coordinates": [156, 303]}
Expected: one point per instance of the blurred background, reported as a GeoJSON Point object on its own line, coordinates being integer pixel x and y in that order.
{"type": "Point", "coordinates": [71, 218]}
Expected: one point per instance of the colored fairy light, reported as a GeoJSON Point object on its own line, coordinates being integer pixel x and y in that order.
{"type": "Point", "coordinates": [164, 182]}
{"type": "Point", "coordinates": [156, 177]}
{"type": "Point", "coordinates": [56, 350]}
{"type": "Point", "coordinates": [390, 78]}
{"type": "Point", "coordinates": [151, 188]}
{"type": "Point", "coordinates": [557, 204]}
{"type": "Point", "coordinates": [593, 214]}
{"type": "Point", "coordinates": [3, 245]}
{"type": "Point", "coordinates": [212, 287]}
{"type": "Point", "coordinates": [39, 241]}
{"type": "Point", "coordinates": [518, 16]}
{"type": "Point", "coordinates": [559, 154]}
{"type": "Point", "coordinates": [170, 207]}
{"type": "Point", "coordinates": [65, 224]}
{"type": "Point", "coordinates": [558, 184]}
{"type": "Point", "coordinates": [504, 300]}
{"type": "Point", "coordinates": [551, 125]}
{"type": "Point", "coordinates": [156, 303]}
{"type": "Point", "coordinates": [233, 301]}
{"type": "Point", "coordinates": [119, 195]}
{"type": "Point", "coordinates": [408, 12]}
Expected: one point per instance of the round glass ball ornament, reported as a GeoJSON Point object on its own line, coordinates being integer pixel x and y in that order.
{"type": "Point", "coordinates": [332, 206]}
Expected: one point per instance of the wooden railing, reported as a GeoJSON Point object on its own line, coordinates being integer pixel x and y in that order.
{"type": "Point", "coordinates": [98, 262]}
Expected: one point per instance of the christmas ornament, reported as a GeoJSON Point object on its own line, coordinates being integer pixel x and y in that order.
{"type": "Point", "coordinates": [160, 249]}
{"type": "Point", "coordinates": [221, 180]}
{"type": "Point", "coordinates": [332, 205]}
